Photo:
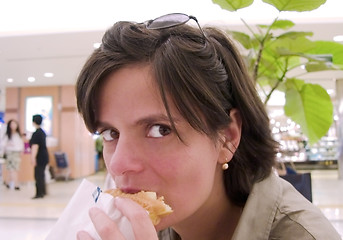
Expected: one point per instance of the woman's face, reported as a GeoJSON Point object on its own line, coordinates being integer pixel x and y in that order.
{"type": "Point", "coordinates": [142, 152]}
{"type": "Point", "coordinates": [14, 126]}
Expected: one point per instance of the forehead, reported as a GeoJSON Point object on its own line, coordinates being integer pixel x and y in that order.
{"type": "Point", "coordinates": [131, 88]}
{"type": "Point", "coordinates": [129, 80]}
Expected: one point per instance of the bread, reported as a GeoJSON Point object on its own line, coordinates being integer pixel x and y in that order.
{"type": "Point", "coordinates": [156, 207]}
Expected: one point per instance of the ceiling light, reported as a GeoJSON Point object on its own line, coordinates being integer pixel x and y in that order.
{"type": "Point", "coordinates": [9, 80]}
{"type": "Point", "coordinates": [31, 79]}
{"type": "Point", "coordinates": [338, 38]}
{"type": "Point", "coordinates": [48, 74]}
{"type": "Point", "coordinates": [96, 45]}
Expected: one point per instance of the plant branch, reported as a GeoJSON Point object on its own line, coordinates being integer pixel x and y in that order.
{"type": "Point", "coordinates": [260, 51]}
{"type": "Point", "coordinates": [280, 79]}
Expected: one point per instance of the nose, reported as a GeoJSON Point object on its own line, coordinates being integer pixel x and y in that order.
{"type": "Point", "coordinates": [125, 158]}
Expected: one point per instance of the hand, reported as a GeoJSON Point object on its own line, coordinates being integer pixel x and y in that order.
{"type": "Point", "coordinates": [33, 162]}
{"type": "Point", "coordinates": [107, 229]}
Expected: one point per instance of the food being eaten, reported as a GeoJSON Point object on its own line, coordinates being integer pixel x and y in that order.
{"type": "Point", "coordinates": [156, 207]}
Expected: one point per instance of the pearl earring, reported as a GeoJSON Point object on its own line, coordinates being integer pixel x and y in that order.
{"type": "Point", "coordinates": [225, 165]}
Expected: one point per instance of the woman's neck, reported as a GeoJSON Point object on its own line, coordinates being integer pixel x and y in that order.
{"type": "Point", "coordinates": [220, 224]}
{"type": "Point", "coordinates": [217, 219]}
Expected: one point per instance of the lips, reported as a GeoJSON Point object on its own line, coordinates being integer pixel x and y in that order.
{"type": "Point", "coordinates": [131, 190]}
{"type": "Point", "coordinates": [128, 186]}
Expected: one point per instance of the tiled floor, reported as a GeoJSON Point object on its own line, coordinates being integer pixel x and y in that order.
{"type": "Point", "coordinates": [22, 218]}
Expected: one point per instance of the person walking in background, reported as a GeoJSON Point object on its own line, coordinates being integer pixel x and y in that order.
{"type": "Point", "coordinates": [39, 156]}
{"type": "Point", "coordinates": [12, 147]}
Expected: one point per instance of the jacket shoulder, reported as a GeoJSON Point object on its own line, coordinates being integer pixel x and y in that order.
{"type": "Point", "coordinates": [298, 218]}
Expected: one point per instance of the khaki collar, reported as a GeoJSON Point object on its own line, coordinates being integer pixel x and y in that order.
{"type": "Point", "coordinates": [259, 211]}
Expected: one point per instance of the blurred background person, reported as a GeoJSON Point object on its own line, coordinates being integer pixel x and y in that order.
{"type": "Point", "coordinates": [39, 156]}
{"type": "Point", "coordinates": [12, 147]}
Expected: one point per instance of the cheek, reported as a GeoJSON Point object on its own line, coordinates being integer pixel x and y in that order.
{"type": "Point", "coordinates": [194, 171]}
{"type": "Point", "coordinates": [191, 178]}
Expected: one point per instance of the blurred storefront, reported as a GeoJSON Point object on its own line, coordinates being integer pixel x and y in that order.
{"type": "Point", "coordinates": [294, 145]}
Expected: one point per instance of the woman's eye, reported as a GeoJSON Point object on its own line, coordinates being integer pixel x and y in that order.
{"type": "Point", "coordinates": [158, 131]}
{"type": "Point", "coordinates": [110, 134]}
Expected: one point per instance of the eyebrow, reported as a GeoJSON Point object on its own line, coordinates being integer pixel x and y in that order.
{"type": "Point", "coordinates": [155, 118]}
{"type": "Point", "coordinates": [143, 121]}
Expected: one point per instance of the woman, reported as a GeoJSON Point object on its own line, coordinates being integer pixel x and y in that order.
{"type": "Point", "coordinates": [12, 147]}
{"type": "Point", "coordinates": [39, 155]}
{"type": "Point", "coordinates": [180, 116]}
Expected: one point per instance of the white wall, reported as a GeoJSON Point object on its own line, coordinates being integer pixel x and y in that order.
{"type": "Point", "coordinates": [2, 99]}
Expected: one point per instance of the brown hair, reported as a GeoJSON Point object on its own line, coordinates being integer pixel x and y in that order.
{"type": "Point", "coordinates": [201, 74]}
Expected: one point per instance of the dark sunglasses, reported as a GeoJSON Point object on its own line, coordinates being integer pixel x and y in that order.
{"type": "Point", "coordinates": [171, 20]}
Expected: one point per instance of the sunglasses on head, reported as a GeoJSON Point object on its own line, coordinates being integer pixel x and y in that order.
{"type": "Point", "coordinates": [171, 20]}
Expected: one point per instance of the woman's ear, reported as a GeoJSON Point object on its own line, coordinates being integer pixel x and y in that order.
{"type": "Point", "coordinates": [231, 137]}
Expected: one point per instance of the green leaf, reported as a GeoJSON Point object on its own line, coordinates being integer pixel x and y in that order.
{"type": "Point", "coordinates": [242, 38]}
{"type": "Point", "coordinates": [279, 24]}
{"type": "Point", "coordinates": [233, 5]}
{"type": "Point", "coordinates": [294, 35]}
{"type": "Point", "coordinates": [294, 83]}
{"type": "Point", "coordinates": [270, 67]}
{"type": "Point", "coordinates": [310, 106]}
{"type": "Point", "coordinates": [274, 65]}
{"type": "Point", "coordinates": [326, 47]}
{"type": "Point", "coordinates": [295, 5]}
{"type": "Point", "coordinates": [318, 66]}
{"type": "Point", "coordinates": [289, 46]}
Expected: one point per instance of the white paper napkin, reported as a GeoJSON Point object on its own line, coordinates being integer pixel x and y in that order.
{"type": "Point", "coordinates": [75, 216]}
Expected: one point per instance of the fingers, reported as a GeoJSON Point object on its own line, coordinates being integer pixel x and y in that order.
{"type": "Point", "coordinates": [82, 235]}
{"type": "Point", "coordinates": [106, 228]}
{"type": "Point", "coordinates": [139, 218]}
